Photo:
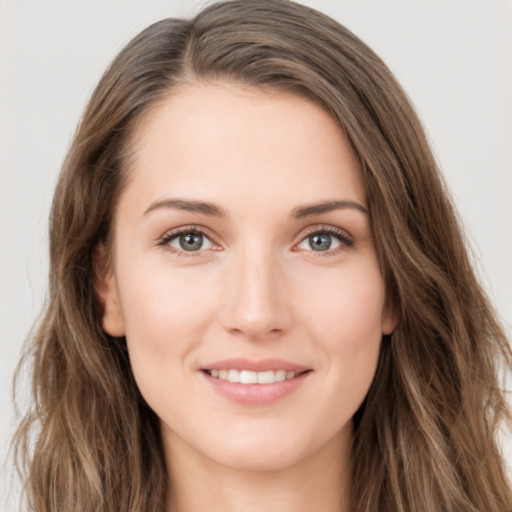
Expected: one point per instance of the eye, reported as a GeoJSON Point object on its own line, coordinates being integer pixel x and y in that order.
{"type": "Point", "coordinates": [189, 240]}
{"type": "Point", "coordinates": [325, 240]}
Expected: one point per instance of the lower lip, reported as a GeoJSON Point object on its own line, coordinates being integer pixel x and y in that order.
{"type": "Point", "coordinates": [256, 394]}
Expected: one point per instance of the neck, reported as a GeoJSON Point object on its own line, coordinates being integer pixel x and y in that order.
{"type": "Point", "coordinates": [318, 482]}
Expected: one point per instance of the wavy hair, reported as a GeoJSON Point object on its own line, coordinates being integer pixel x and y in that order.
{"type": "Point", "coordinates": [425, 436]}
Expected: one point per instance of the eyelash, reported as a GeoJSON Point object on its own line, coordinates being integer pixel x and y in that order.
{"type": "Point", "coordinates": [171, 235]}
{"type": "Point", "coordinates": [346, 241]}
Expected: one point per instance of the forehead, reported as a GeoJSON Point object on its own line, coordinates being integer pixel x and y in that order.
{"type": "Point", "coordinates": [225, 142]}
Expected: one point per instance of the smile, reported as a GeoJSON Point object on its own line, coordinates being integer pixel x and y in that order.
{"type": "Point", "coordinates": [251, 377]}
{"type": "Point", "coordinates": [255, 382]}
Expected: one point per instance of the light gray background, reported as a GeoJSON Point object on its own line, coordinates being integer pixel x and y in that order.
{"type": "Point", "coordinates": [452, 56]}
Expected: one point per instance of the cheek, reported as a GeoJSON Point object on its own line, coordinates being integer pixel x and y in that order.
{"type": "Point", "coordinates": [344, 317]}
{"type": "Point", "coordinates": [345, 304]}
{"type": "Point", "coordinates": [161, 299]}
{"type": "Point", "coordinates": [165, 313]}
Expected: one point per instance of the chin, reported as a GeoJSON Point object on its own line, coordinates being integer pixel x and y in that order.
{"type": "Point", "coordinates": [259, 458]}
{"type": "Point", "coordinates": [270, 452]}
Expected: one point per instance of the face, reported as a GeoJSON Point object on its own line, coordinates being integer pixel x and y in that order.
{"type": "Point", "coordinates": [245, 278]}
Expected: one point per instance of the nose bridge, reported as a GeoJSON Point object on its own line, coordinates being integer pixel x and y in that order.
{"type": "Point", "coordinates": [255, 299]}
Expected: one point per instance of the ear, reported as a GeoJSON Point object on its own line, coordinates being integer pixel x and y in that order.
{"type": "Point", "coordinates": [106, 288]}
{"type": "Point", "coordinates": [389, 318]}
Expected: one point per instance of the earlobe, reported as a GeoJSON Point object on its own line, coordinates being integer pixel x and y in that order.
{"type": "Point", "coordinates": [106, 288]}
{"type": "Point", "coordinates": [389, 319]}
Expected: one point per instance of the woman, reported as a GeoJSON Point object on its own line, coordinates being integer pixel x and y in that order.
{"type": "Point", "coordinates": [260, 297]}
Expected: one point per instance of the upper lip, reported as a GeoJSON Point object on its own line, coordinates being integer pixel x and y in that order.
{"type": "Point", "coordinates": [255, 365]}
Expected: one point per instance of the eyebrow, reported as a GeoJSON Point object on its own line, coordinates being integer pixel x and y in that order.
{"type": "Point", "coordinates": [325, 207]}
{"type": "Point", "coordinates": [187, 205]}
{"type": "Point", "coordinates": [213, 210]}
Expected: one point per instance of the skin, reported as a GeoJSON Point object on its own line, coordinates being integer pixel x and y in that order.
{"type": "Point", "coordinates": [256, 289]}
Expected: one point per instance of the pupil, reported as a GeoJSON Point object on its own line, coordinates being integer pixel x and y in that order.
{"type": "Point", "coordinates": [320, 242]}
{"type": "Point", "coordinates": [191, 241]}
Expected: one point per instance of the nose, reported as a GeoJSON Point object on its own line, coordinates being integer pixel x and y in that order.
{"type": "Point", "coordinates": [255, 302]}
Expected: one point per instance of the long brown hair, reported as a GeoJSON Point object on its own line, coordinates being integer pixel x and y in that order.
{"type": "Point", "coordinates": [425, 436]}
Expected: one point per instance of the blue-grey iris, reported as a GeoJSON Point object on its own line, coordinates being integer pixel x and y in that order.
{"type": "Point", "coordinates": [191, 241]}
{"type": "Point", "coordinates": [320, 241]}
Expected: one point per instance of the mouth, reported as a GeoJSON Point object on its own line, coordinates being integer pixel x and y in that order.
{"type": "Point", "coordinates": [253, 377]}
{"type": "Point", "coordinates": [255, 382]}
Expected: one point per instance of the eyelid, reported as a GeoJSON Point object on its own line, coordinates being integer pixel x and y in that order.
{"type": "Point", "coordinates": [347, 241]}
{"type": "Point", "coordinates": [171, 234]}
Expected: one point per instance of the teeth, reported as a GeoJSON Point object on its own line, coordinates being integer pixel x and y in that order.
{"type": "Point", "coordinates": [233, 376]}
{"type": "Point", "coordinates": [280, 375]}
{"type": "Point", "coordinates": [249, 377]}
{"type": "Point", "coordinates": [266, 377]}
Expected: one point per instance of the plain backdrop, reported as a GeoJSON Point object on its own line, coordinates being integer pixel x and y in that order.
{"type": "Point", "coordinates": [452, 56]}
